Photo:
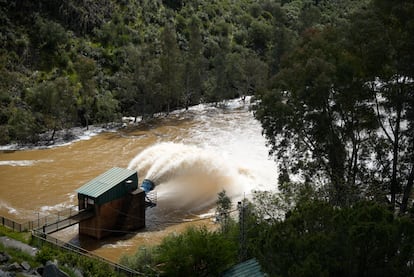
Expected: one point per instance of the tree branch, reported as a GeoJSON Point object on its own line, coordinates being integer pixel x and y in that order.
{"type": "Point", "coordinates": [380, 121]}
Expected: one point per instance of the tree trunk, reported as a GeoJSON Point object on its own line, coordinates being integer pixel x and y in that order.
{"type": "Point", "coordinates": [53, 135]}
{"type": "Point", "coordinates": [407, 191]}
{"type": "Point", "coordinates": [396, 148]}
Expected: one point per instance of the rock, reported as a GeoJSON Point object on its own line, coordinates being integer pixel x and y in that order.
{"type": "Point", "coordinates": [51, 270]}
{"type": "Point", "coordinates": [9, 242]}
{"type": "Point", "coordinates": [6, 274]}
{"type": "Point", "coordinates": [39, 270]}
{"type": "Point", "coordinates": [31, 274]}
{"type": "Point", "coordinates": [4, 257]}
{"type": "Point", "coordinates": [78, 272]}
{"type": "Point", "coordinates": [25, 265]}
{"type": "Point", "coordinates": [14, 267]}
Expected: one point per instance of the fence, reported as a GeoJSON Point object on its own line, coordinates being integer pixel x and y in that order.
{"type": "Point", "coordinates": [40, 238]}
{"type": "Point", "coordinates": [15, 226]}
{"type": "Point", "coordinates": [52, 218]}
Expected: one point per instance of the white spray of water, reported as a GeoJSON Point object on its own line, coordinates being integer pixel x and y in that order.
{"type": "Point", "coordinates": [187, 177]}
{"type": "Point", "coordinates": [223, 150]}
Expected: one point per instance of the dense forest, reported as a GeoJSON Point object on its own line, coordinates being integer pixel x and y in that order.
{"type": "Point", "coordinates": [334, 88]}
{"type": "Point", "coordinates": [74, 63]}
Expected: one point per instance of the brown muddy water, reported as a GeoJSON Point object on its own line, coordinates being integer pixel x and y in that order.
{"type": "Point", "coordinates": [191, 156]}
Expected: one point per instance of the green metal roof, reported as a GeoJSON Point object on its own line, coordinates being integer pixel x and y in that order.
{"type": "Point", "coordinates": [110, 185]}
{"type": "Point", "coordinates": [249, 268]}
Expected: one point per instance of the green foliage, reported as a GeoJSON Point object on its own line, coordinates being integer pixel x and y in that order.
{"type": "Point", "coordinates": [223, 206]}
{"type": "Point", "coordinates": [171, 69]}
{"type": "Point", "coordinates": [342, 94]}
{"type": "Point", "coordinates": [317, 238]}
{"type": "Point", "coordinates": [144, 261]}
{"type": "Point", "coordinates": [22, 125]}
{"type": "Point", "coordinates": [223, 203]}
{"type": "Point", "coordinates": [186, 53]}
{"type": "Point", "coordinates": [24, 237]}
{"type": "Point", "coordinates": [273, 207]}
{"type": "Point", "coordinates": [196, 252]}
{"type": "Point", "coordinates": [46, 254]}
{"type": "Point", "coordinates": [19, 256]}
{"type": "Point", "coordinates": [88, 266]}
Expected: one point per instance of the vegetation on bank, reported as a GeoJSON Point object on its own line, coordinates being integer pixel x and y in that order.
{"type": "Point", "coordinates": [70, 63]}
{"type": "Point", "coordinates": [340, 111]}
{"type": "Point", "coordinates": [312, 238]}
{"type": "Point", "coordinates": [24, 237]}
{"type": "Point", "coordinates": [67, 261]}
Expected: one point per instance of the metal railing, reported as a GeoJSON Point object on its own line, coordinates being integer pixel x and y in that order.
{"type": "Point", "coordinates": [13, 225]}
{"type": "Point", "coordinates": [52, 218]}
{"type": "Point", "coordinates": [39, 238]}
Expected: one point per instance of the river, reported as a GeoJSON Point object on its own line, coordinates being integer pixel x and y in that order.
{"type": "Point", "coordinates": [191, 155]}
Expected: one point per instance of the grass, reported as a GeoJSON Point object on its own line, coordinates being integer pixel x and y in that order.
{"type": "Point", "coordinates": [19, 256]}
{"type": "Point", "coordinates": [67, 260]}
{"type": "Point", "coordinates": [24, 237]}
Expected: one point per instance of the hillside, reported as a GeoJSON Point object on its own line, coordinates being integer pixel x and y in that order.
{"type": "Point", "coordinates": [74, 63]}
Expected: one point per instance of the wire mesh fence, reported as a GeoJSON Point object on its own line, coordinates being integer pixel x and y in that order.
{"type": "Point", "coordinates": [39, 238]}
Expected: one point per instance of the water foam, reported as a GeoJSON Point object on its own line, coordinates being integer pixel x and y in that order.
{"type": "Point", "coordinates": [22, 162]}
{"type": "Point", "coordinates": [17, 163]}
{"type": "Point", "coordinates": [225, 150]}
{"type": "Point", "coordinates": [6, 206]}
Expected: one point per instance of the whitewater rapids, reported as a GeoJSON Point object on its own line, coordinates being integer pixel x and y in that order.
{"type": "Point", "coordinates": [187, 177]}
{"type": "Point", "coordinates": [217, 154]}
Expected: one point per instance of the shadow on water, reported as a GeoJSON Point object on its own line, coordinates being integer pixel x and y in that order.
{"type": "Point", "coordinates": [8, 151]}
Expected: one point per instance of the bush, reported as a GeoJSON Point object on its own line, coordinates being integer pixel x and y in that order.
{"type": "Point", "coordinates": [317, 239]}
{"type": "Point", "coordinates": [46, 253]}
{"type": "Point", "coordinates": [196, 252]}
{"type": "Point", "coordinates": [89, 266]}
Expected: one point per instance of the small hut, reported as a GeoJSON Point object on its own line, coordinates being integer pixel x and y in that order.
{"type": "Point", "coordinates": [117, 203]}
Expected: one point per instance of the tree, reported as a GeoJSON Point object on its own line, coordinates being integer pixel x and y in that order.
{"type": "Point", "coordinates": [318, 116]}
{"type": "Point", "coordinates": [248, 74]}
{"type": "Point", "coordinates": [397, 77]}
{"type": "Point", "coordinates": [49, 41]}
{"type": "Point", "coordinates": [387, 64]}
{"type": "Point", "coordinates": [106, 107]}
{"type": "Point", "coordinates": [223, 209]}
{"type": "Point", "coordinates": [171, 69]}
{"type": "Point", "coordinates": [54, 102]}
{"type": "Point", "coordinates": [22, 124]}
{"type": "Point", "coordinates": [221, 87]}
{"type": "Point", "coordinates": [319, 239]}
{"type": "Point", "coordinates": [194, 68]}
{"type": "Point", "coordinates": [195, 252]}
{"type": "Point", "coordinates": [86, 70]}
{"type": "Point", "coordinates": [259, 35]}
{"type": "Point", "coordinates": [138, 83]}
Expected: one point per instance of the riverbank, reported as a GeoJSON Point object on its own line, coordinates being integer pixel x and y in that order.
{"type": "Point", "coordinates": [27, 254]}
{"type": "Point", "coordinates": [62, 137]}
{"type": "Point", "coordinates": [71, 135]}
{"type": "Point", "coordinates": [19, 258]}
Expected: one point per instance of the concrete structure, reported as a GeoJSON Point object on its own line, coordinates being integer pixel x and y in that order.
{"type": "Point", "coordinates": [117, 202]}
